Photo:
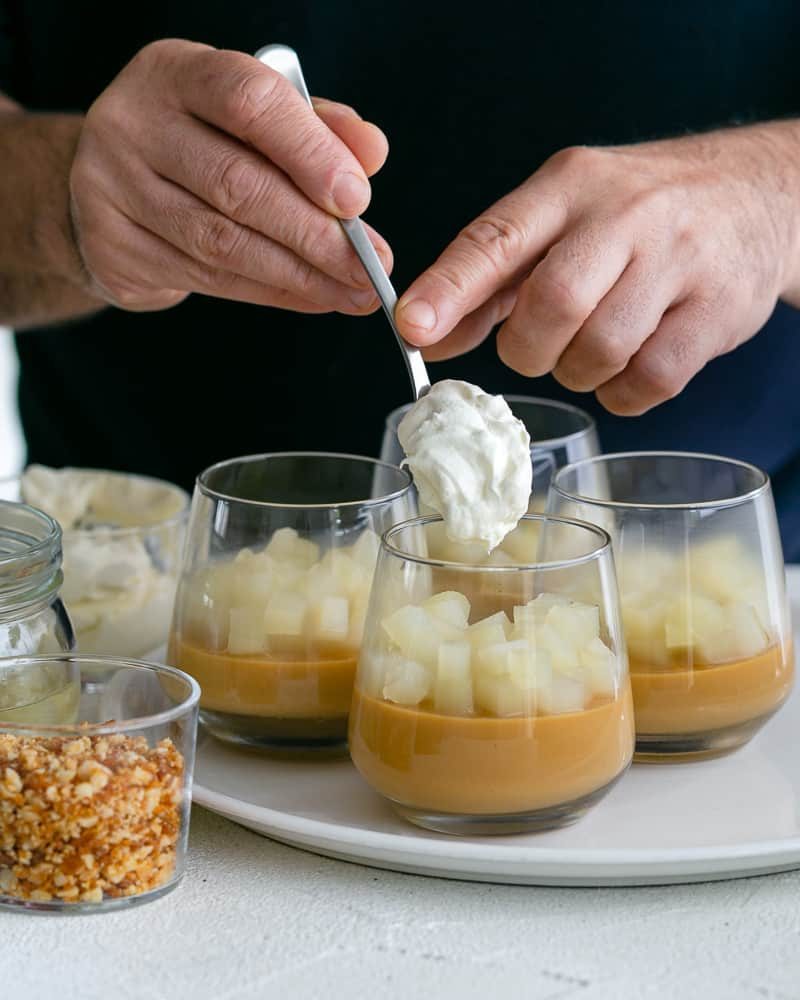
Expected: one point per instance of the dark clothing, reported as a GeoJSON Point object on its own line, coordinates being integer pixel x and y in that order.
{"type": "Point", "coordinates": [471, 108]}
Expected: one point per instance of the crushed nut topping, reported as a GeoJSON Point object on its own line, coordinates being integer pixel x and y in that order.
{"type": "Point", "coordinates": [88, 818]}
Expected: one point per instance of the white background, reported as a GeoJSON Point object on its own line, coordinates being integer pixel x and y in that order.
{"type": "Point", "coordinates": [11, 448]}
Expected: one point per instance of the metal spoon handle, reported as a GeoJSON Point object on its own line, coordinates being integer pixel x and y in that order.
{"type": "Point", "coordinates": [286, 62]}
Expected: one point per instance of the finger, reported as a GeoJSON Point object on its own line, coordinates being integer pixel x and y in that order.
{"type": "Point", "coordinates": [491, 253]}
{"type": "Point", "coordinates": [243, 186]}
{"type": "Point", "coordinates": [241, 96]}
{"type": "Point", "coordinates": [211, 238]}
{"type": "Point", "coordinates": [473, 329]}
{"type": "Point", "coordinates": [141, 271]}
{"type": "Point", "coordinates": [620, 324]}
{"type": "Point", "coordinates": [365, 140]}
{"type": "Point", "coordinates": [560, 295]}
{"type": "Point", "coordinates": [664, 364]}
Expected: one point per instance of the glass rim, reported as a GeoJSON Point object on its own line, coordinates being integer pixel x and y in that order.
{"type": "Point", "coordinates": [78, 729]}
{"type": "Point", "coordinates": [52, 538]}
{"type": "Point", "coordinates": [724, 502]}
{"type": "Point", "coordinates": [393, 418]}
{"type": "Point", "coordinates": [574, 522]}
{"type": "Point", "coordinates": [122, 531]}
{"type": "Point", "coordinates": [213, 494]}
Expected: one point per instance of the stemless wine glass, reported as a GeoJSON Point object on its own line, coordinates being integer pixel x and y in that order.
{"type": "Point", "coordinates": [493, 699]}
{"type": "Point", "coordinates": [560, 434]}
{"type": "Point", "coordinates": [702, 590]}
{"type": "Point", "coordinates": [270, 608]}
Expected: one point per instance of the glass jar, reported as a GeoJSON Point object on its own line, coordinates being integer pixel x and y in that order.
{"type": "Point", "coordinates": [271, 603]}
{"type": "Point", "coordinates": [32, 617]}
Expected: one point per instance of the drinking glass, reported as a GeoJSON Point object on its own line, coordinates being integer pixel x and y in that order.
{"type": "Point", "coordinates": [271, 602]}
{"type": "Point", "coordinates": [560, 434]}
{"type": "Point", "coordinates": [493, 699]}
{"type": "Point", "coordinates": [702, 589]}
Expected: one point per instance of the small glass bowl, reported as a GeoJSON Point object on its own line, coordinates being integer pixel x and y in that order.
{"type": "Point", "coordinates": [121, 573]}
{"type": "Point", "coordinates": [95, 782]}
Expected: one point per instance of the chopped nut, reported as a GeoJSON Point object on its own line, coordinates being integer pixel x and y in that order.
{"type": "Point", "coordinates": [87, 818]}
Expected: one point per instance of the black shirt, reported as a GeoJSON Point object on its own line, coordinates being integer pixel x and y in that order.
{"type": "Point", "coordinates": [473, 99]}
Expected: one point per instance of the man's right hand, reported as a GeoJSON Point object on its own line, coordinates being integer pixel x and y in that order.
{"type": "Point", "coordinates": [200, 170]}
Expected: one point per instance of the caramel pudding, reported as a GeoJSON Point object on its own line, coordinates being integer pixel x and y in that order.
{"type": "Point", "coordinates": [489, 765]}
{"type": "Point", "coordinates": [709, 697]}
{"type": "Point", "coordinates": [272, 637]}
{"type": "Point", "coordinates": [708, 663]}
{"type": "Point", "coordinates": [493, 718]}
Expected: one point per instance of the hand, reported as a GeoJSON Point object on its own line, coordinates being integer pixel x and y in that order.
{"type": "Point", "coordinates": [200, 170]}
{"type": "Point", "coordinates": [623, 270]}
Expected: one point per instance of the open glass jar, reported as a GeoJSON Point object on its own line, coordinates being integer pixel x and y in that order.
{"type": "Point", "coordinates": [32, 617]}
{"type": "Point", "coordinates": [271, 603]}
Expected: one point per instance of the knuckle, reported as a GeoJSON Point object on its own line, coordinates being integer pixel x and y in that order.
{"type": "Point", "coordinates": [559, 297]}
{"type": "Point", "coordinates": [656, 377]}
{"type": "Point", "coordinates": [238, 182]}
{"type": "Point", "coordinates": [609, 351]}
{"type": "Point", "coordinates": [514, 350]}
{"type": "Point", "coordinates": [214, 239]}
{"type": "Point", "coordinates": [303, 279]}
{"type": "Point", "coordinates": [253, 94]}
{"type": "Point", "coordinates": [575, 159]}
{"type": "Point", "coordinates": [498, 239]}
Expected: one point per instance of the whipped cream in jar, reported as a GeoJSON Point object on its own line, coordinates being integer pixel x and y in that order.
{"type": "Point", "coordinates": [122, 541]}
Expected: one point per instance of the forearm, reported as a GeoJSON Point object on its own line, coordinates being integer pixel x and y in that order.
{"type": "Point", "coordinates": [41, 276]}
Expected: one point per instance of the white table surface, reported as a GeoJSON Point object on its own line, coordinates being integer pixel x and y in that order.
{"type": "Point", "coordinates": [255, 920]}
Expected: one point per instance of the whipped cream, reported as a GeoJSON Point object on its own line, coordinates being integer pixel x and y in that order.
{"type": "Point", "coordinates": [470, 457]}
{"type": "Point", "coordinates": [120, 553]}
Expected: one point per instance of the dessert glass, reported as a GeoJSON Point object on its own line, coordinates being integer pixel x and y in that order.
{"type": "Point", "coordinates": [271, 603]}
{"type": "Point", "coordinates": [95, 784]}
{"type": "Point", "coordinates": [702, 590]}
{"type": "Point", "coordinates": [560, 434]}
{"type": "Point", "coordinates": [493, 699]}
{"type": "Point", "coordinates": [121, 570]}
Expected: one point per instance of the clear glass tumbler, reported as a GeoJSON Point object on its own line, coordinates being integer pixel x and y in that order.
{"type": "Point", "coordinates": [493, 699]}
{"type": "Point", "coordinates": [560, 434]}
{"type": "Point", "coordinates": [271, 604]}
{"type": "Point", "coordinates": [702, 589]}
{"type": "Point", "coordinates": [95, 782]}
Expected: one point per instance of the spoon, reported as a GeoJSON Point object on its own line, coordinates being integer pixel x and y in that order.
{"type": "Point", "coordinates": [286, 62]}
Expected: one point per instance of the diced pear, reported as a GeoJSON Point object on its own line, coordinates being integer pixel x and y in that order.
{"type": "Point", "coordinates": [365, 550]}
{"type": "Point", "coordinates": [601, 669]}
{"type": "Point", "coordinates": [531, 668]}
{"type": "Point", "coordinates": [417, 634]}
{"type": "Point", "coordinates": [450, 607]}
{"type": "Point", "coordinates": [246, 630]}
{"type": "Point", "coordinates": [286, 545]}
{"type": "Point", "coordinates": [563, 653]}
{"type": "Point", "coordinates": [252, 587]}
{"type": "Point", "coordinates": [523, 542]}
{"type": "Point", "coordinates": [320, 581]}
{"type": "Point", "coordinates": [287, 576]}
{"type": "Point", "coordinates": [407, 682]}
{"type": "Point", "coordinates": [563, 694]}
{"type": "Point", "coordinates": [489, 631]}
{"type": "Point", "coordinates": [442, 547]}
{"type": "Point", "coordinates": [453, 688]}
{"type": "Point", "coordinates": [499, 696]}
{"type": "Point", "coordinates": [740, 637]}
{"type": "Point", "coordinates": [330, 618]}
{"type": "Point", "coordinates": [285, 614]}
{"type": "Point", "coordinates": [358, 617]}
{"type": "Point", "coordinates": [351, 576]}
{"type": "Point", "coordinates": [692, 619]}
{"type": "Point", "coordinates": [579, 623]}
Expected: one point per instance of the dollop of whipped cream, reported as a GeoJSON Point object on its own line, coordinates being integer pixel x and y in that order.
{"type": "Point", "coordinates": [470, 458]}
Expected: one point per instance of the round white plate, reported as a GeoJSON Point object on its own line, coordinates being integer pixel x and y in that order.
{"type": "Point", "coordinates": [726, 818]}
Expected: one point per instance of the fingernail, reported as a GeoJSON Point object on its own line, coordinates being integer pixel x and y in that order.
{"type": "Point", "coordinates": [351, 194]}
{"type": "Point", "coordinates": [363, 299]}
{"type": "Point", "coordinates": [418, 313]}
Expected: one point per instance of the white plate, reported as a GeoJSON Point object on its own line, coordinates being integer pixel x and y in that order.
{"type": "Point", "coordinates": [726, 818]}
